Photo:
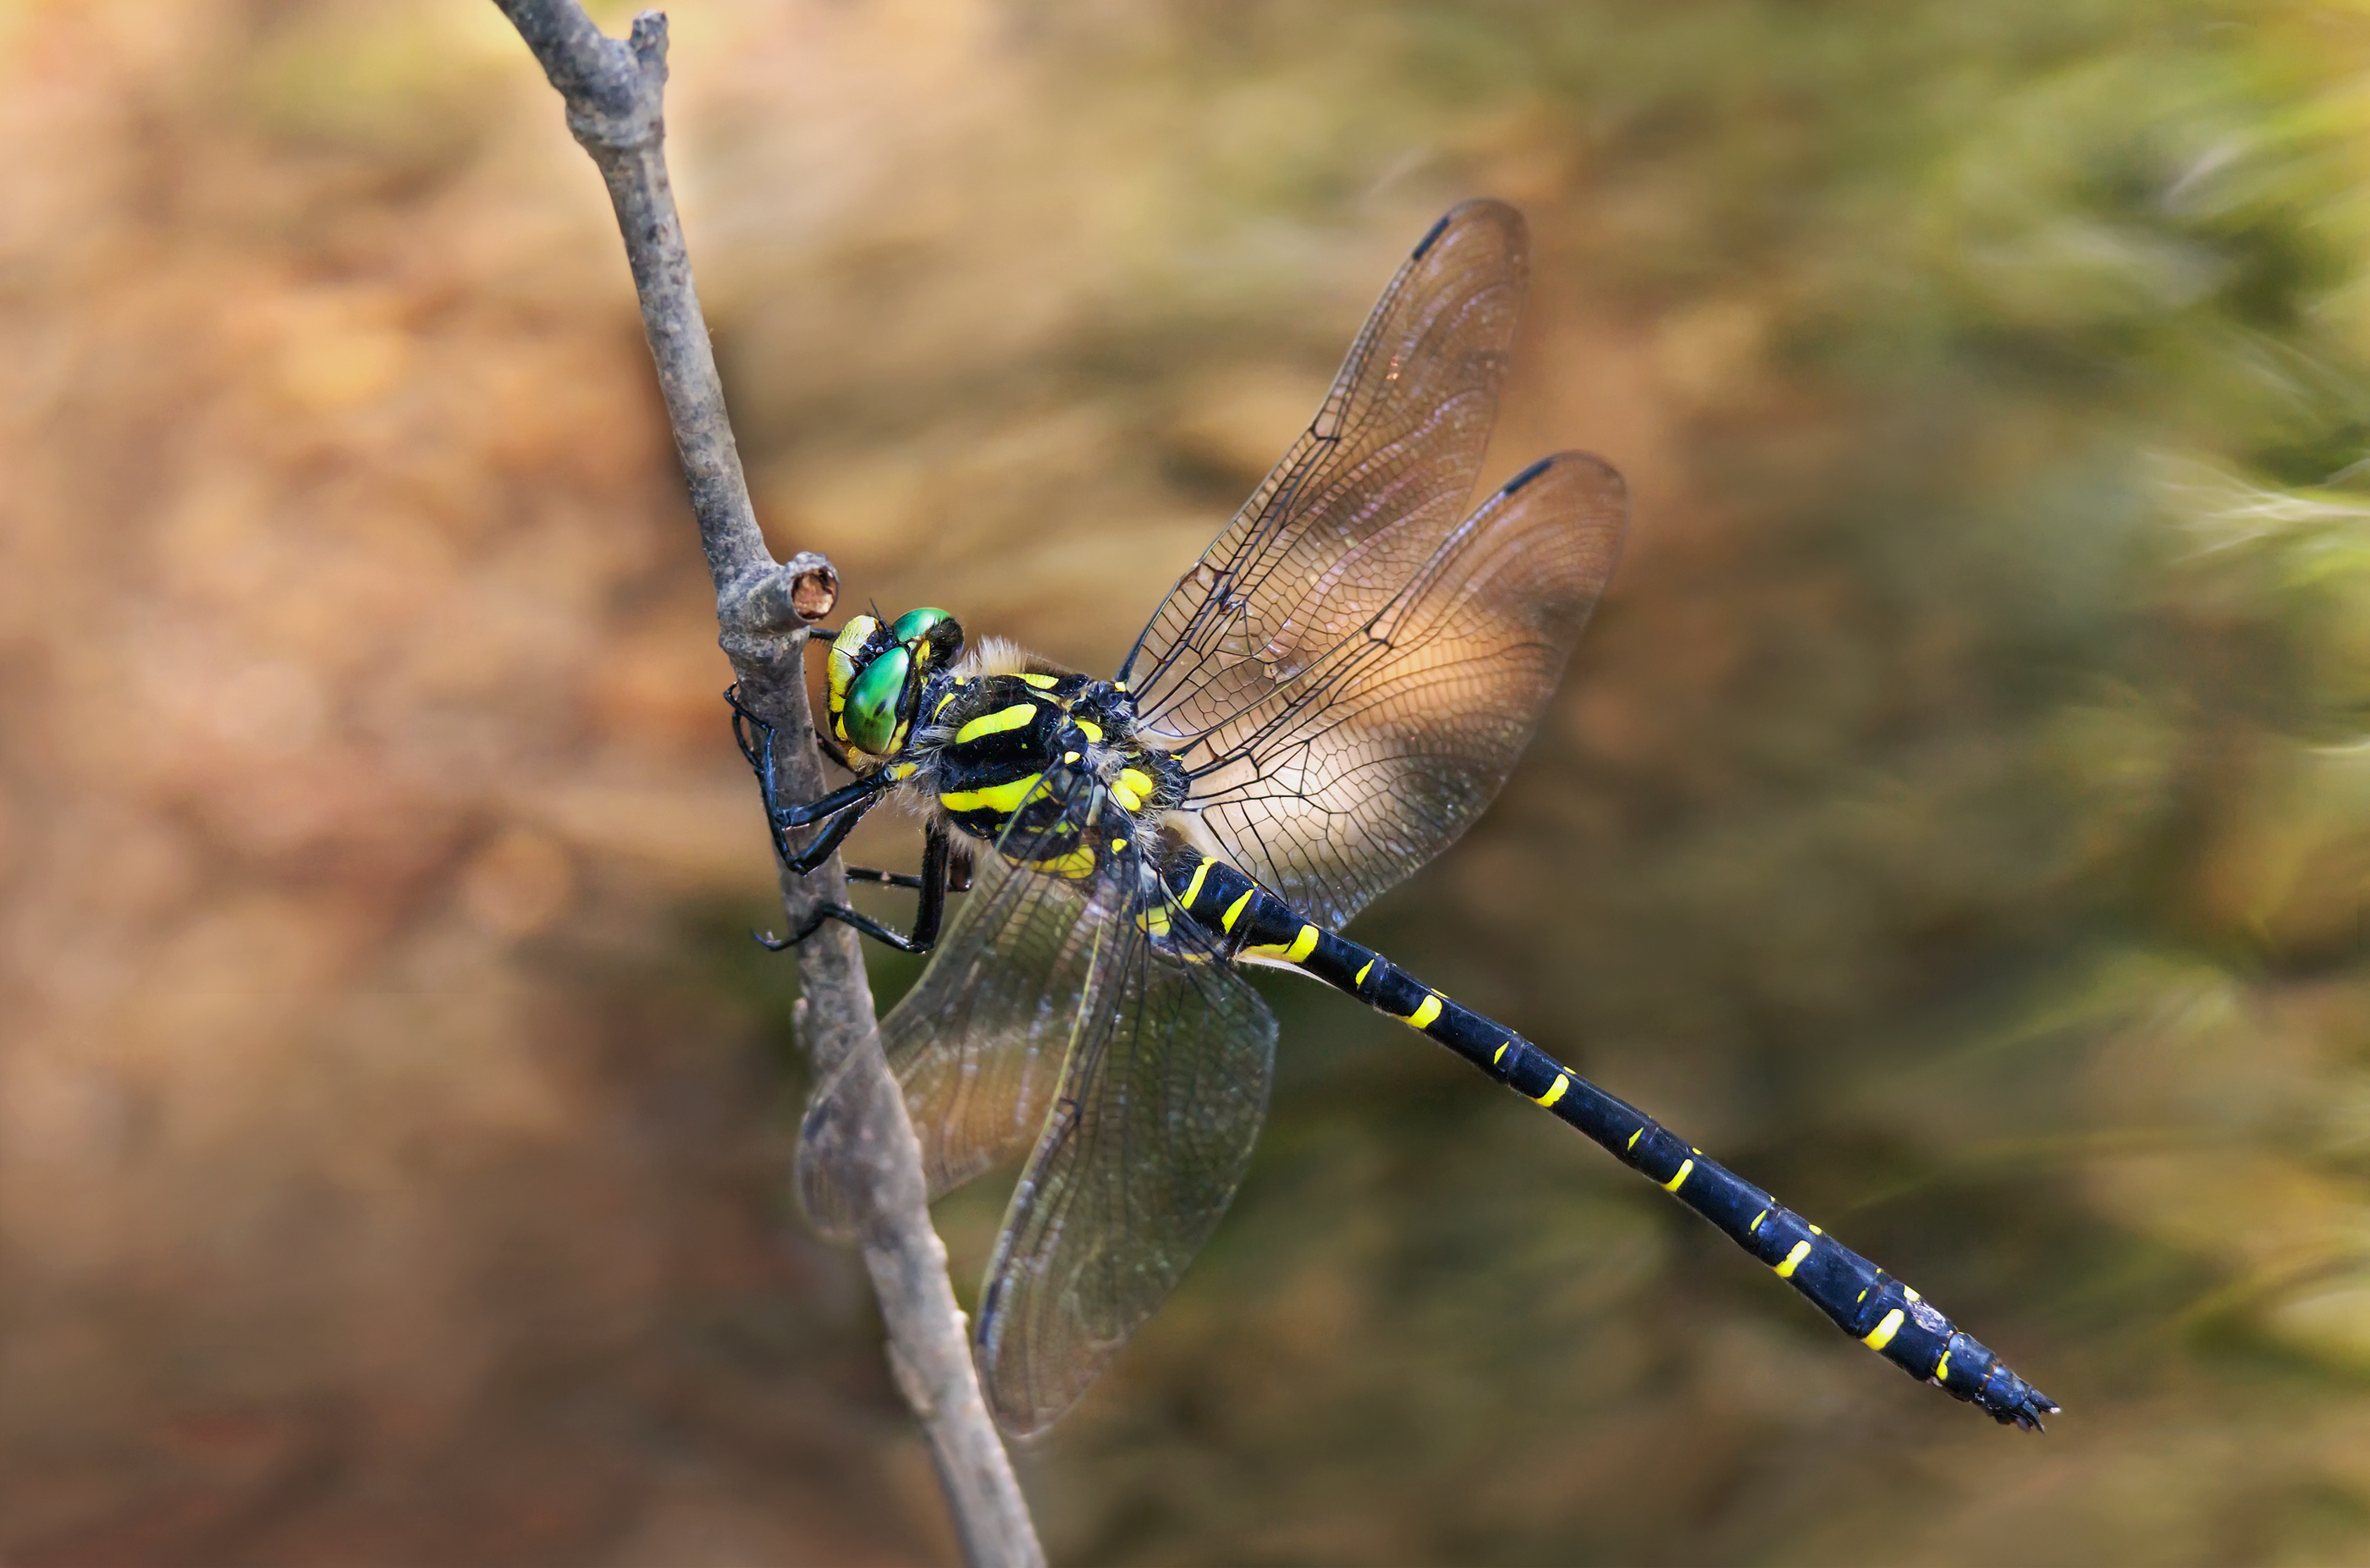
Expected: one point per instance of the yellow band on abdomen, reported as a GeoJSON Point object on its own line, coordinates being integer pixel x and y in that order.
{"type": "Point", "coordinates": [1303, 944]}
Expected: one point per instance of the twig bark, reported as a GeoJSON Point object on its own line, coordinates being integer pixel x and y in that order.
{"type": "Point", "coordinates": [615, 92]}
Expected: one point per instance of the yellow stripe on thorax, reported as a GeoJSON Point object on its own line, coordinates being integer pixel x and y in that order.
{"type": "Point", "coordinates": [1004, 798]}
{"type": "Point", "coordinates": [1234, 911]}
{"type": "Point", "coordinates": [1019, 716]}
{"type": "Point", "coordinates": [1133, 786]}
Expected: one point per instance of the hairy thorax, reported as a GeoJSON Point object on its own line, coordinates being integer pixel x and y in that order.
{"type": "Point", "coordinates": [985, 739]}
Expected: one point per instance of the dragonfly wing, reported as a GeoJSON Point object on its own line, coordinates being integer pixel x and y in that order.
{"type": "Point", "coordinates": [1160, 1100]}
{"type": "Point", "coordinates": [1335, 783]}
{"type": "Point", "coordinates": [978, 1043]}
{"type": "Point", "coordinates": [1365, 495]}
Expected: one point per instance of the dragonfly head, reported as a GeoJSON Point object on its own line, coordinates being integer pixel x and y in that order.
{"type": "Point", "coordinates": [878, 673]}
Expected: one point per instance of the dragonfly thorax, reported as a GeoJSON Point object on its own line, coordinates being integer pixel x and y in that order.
{"type": "Point", "coordinates": [985, 743]}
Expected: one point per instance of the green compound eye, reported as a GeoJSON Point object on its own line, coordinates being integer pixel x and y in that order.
{"type": "Point", "coordinates": [933, 635]}
{"type": "Point", "coordinates": [914, 623]}
{"type": "Point", "coordinates": [874, 698]}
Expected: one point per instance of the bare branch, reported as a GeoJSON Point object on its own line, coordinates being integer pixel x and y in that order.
{"type": "Point", "coordinates": [615, 92]}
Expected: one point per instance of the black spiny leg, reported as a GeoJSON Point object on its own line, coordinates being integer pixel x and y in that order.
{"type": "Point", "coordinates": [755, 738]}
{"type": "Point", "coordinates": [825, 844]}
{"type": "Point", "coordinates": [932, 883]}
{"type": "Point", "coordinates": [959, 873]}
{"type": "Point", "coordinates": [840, 811]}
{"type": "Point", "coordinates": [886, 878]}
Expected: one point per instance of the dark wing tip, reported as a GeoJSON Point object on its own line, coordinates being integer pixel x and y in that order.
{"type": "Point", "coordinates": [1585, 468]}
{"type": "Point", "coordinates": [1526, 475]}
{"type": "Point", "coordinates": [1481, 210]}
{"type": "Point", "coordinates": [1587, 495]}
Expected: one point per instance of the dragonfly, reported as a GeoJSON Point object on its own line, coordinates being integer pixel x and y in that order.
{"type": "Point", "coordinates": [1324, 703]}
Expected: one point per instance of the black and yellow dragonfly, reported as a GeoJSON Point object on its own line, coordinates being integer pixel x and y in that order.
{"type": "Point", "coordinates": [1325, 702]}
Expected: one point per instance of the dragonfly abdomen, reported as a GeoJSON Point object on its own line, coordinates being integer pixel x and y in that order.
{"type": "Point", "coordinates": [1858, 1297]}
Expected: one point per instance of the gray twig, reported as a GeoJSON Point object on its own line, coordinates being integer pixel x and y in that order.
{"type": "Point", "coordinates": [615, 92]}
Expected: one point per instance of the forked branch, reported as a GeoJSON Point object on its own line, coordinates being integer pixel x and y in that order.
{"type": "Point", "coordinates": [615, 92]}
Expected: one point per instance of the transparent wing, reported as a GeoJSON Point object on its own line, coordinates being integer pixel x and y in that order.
{"type": "Point", "coordinates": [1363, 496]}
{"type": "Point", "coordinates": [1160, 1100]}
{"type": "Point", "coordinates": [1139, 1070]}
{"type": "Point", "coordinates": [1336, 781]}
{"type": "Point", "coordinates": [978, 1043]}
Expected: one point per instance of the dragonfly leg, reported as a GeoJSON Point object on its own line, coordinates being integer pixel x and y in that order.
{"type": "Point", "coordinates": [928, 918]}
{"type": "Point", "coordinates": [959, 873]}
{"type": "Point", "coordinates": [847, 806]}
{"type": "Point", "coordinates": [839, 811]}
{"type": "Point", "coordinates": [846, 916]}
{"type": "Point", "coordinates": [863, 792]}
{"type": "Point", "coordinates": [756, 738]}
{"type": "Point", "coordinates": [886, 878]}
{"type": "Point", "coordinates": [825, 844]}
{"type": "Point", "coordinates": [753, 735]}
{"type": "Point", "coordinates": [932, 909]}
{"type": "Point", "coordinates": [748, 728]}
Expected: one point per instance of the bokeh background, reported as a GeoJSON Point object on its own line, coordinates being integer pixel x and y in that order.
{"type": "Point", "coordinates": [1958, 819]}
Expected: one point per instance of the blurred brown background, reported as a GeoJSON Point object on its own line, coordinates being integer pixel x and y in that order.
{"type": "Point", "coordinates": [1958, 819]}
